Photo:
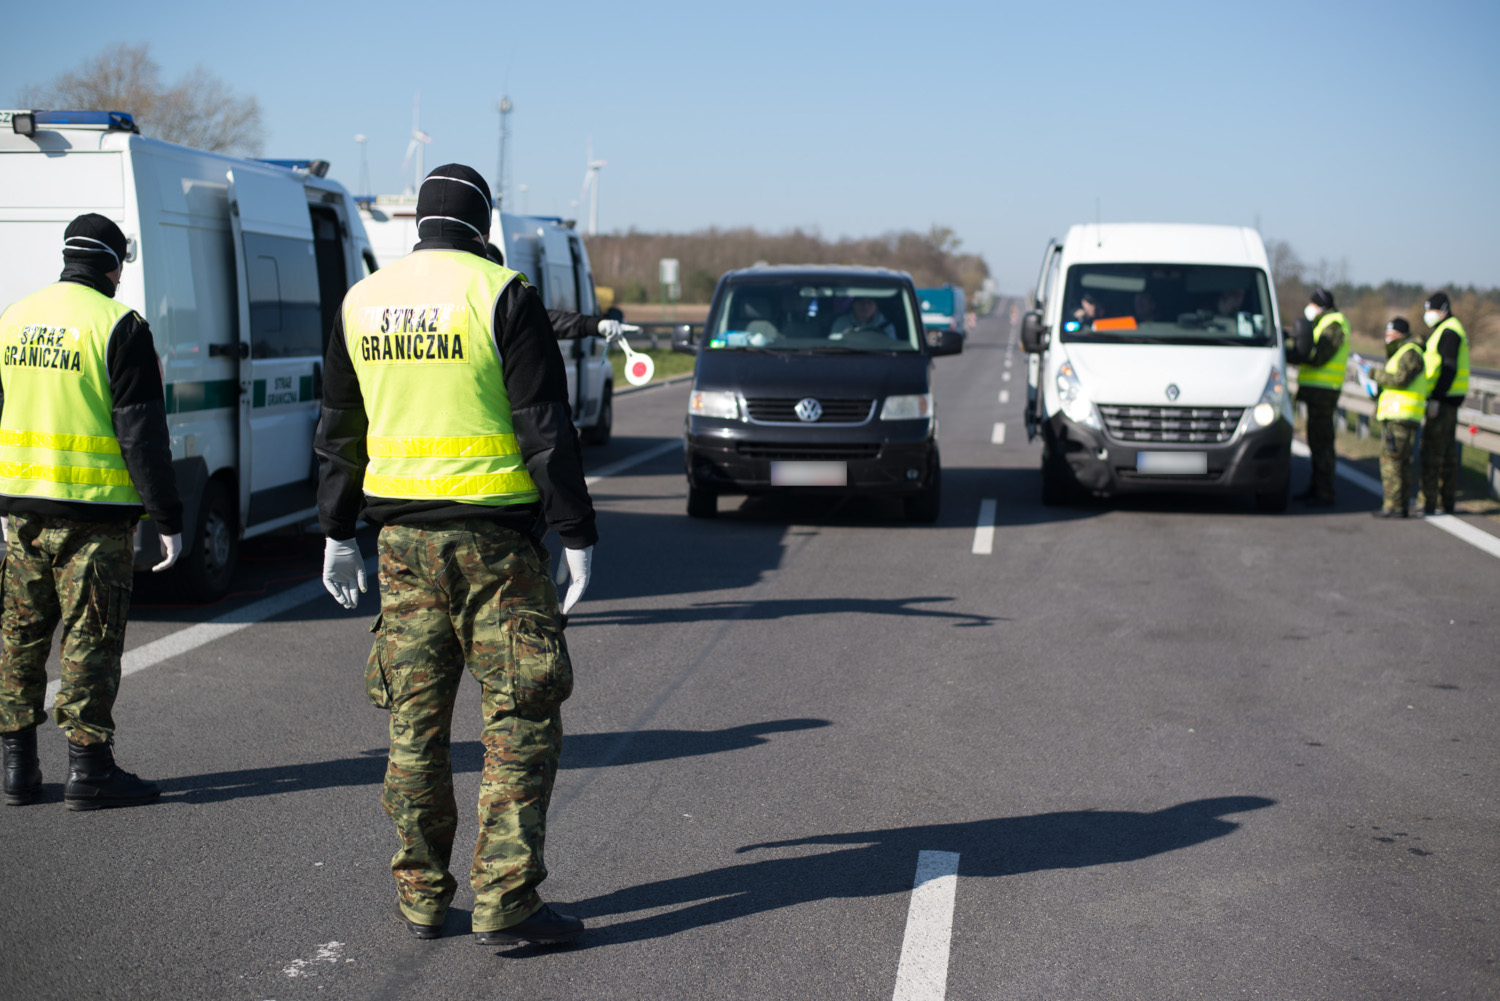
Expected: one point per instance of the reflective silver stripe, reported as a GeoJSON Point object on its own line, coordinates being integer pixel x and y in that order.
{"type": "Point", "coordinates": [449, 218]}
{"type": "Point", "coordinates": [456, 180]}
{"type": "Point", "coordinates": [99, 243]}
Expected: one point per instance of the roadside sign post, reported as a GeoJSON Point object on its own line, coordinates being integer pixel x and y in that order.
{"type": "Point", "coordinates": [671, 290]}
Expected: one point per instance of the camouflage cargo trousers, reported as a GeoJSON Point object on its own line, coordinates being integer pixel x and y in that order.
{"type": "Point", "coordinates": [1398, 440]}
{"type": "Point", "coordinates": [455, 595]}
{"type": "Point", "coordinates": [80, 574]}
{"type": "Point", "coordinates": [1322, 406]}
{"type": "Point", "coordinates": [1440, 457]}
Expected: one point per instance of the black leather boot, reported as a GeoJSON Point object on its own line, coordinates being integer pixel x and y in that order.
{"type": "Point", "coordinates": [95, 782]}
{"type": "Point", "coordinates": [545, 927]}
{"type": "Point", "coordinates": [23, 773]}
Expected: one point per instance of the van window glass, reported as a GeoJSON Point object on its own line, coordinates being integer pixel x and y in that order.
{"type": "Point", "coordinates": [285, 314]}
{"type": "Point", "coordinates": [811, 314]}
{"type": "Point", "coordinates": [1167, 304]}
{"type": "Point", "coordinates": [585, 282]}
{"type": "Point", "coordinates": [333, 279]}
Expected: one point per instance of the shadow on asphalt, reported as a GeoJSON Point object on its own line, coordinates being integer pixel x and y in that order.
{"type": "Point", "coordinates": [759, 611]}
{"type": "Point", "coordinates": [580, 750]}
{"type": "Point", "coordinates": [884, 860]}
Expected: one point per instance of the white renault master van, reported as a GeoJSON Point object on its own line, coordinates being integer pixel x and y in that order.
{"type": "Point", "coordinates": [1157, 364]}
{"type": "Point", "coordinates": [239, 266]}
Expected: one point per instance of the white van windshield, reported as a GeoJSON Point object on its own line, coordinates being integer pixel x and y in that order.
{"type": "Point", "coordinates": [805, 314]}
{"type": "Point", "coordinates": [1167, 304]}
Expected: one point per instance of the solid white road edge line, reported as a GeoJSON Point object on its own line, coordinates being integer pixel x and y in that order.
{"type": "Point", "coordinates": [1456, 527]}
{"type": "Point", "coordinates": [997, 436]}
{"type": "Point", "coordinates": [984, 531]}
{"type": "Point", "coordinates": [191, 638]}
{"type": "Point", "coordinates": [923, 973]}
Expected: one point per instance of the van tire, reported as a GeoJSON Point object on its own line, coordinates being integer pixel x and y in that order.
{"type": "Point", "coordinates": [1274, 502]}
{"type": "Point", "coordinates": [924, 506]}
{"type": "Point", "coordinates": [1059, 489]}
{"type": "Point", "coordinates": [702, 503]}
{"type": "Point", "coordinates": [205, 572]}
{"type": "Point", "coordinates": [600, 433]}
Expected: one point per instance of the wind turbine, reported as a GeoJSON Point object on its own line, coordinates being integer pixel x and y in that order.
{"type": "Point", "coordinates": [419, 139]}
{"type": "Point", "coordinates": [591, 188]}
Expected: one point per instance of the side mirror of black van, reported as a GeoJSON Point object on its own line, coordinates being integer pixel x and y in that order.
{"type": "Point", "coordinates": [948, 342]}
{"type": "Point", "coordinates": [682, 340]}
{"type": "Point", "coordinates": [1033, 333]}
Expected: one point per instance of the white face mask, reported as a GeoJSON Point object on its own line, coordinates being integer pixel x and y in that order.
{"type": "Point", "coordinates": [1432, 318]}
{"type": "Point", "coordinates": [1311, 312]}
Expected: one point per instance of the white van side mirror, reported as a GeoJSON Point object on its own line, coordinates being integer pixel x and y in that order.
{"type": "Point", "coordinates": [1033, 332]}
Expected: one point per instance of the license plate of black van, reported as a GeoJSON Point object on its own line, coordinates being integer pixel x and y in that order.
{"type": "Point", "coordinates": [809, 474]}
{"type": "Point", "coordinates": [1172, 463]}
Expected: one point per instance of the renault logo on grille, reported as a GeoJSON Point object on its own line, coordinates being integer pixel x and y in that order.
{"type": "Point", "coordinates": [1172, 391]}
{"type": "Point", "coordinates": [809, 409]}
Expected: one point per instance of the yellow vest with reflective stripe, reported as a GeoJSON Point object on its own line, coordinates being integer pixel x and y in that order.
{"type": "Point", "coordinates": [1408, 403]}
{"type": "Point", "coordinates": [1329, 375]}
{"type": "Point", "coordinates": [1460, 387]}
{"type": "Point", "coordinates": [419, 333]}
{"type": "Point", "coordinates": [57, 434]}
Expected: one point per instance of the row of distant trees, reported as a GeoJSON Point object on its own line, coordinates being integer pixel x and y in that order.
{"type": "Point", "coordinates": [628, 262]}
{"type": "Point", "coordinates": [1369, 307]}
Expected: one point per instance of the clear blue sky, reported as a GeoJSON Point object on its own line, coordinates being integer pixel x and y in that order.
{"type": "Point", "coordinates": [1361, 132]}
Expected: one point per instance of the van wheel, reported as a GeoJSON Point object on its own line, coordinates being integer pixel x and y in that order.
{"type": "Point", "coordinates": [1058, 486]}
{"type": "Point", "coordinates": [702, 503]}
{"type": "Point", "coordinates": [204, 573]}
{"type": "Point", "coordinates": [1272, 503]}
{"type": "Point", "coordinates": [923, 507]}
{"type": "Point", "coordinates": [600, 433]}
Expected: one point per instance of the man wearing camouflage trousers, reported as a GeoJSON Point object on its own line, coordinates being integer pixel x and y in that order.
{"type": "Point", "coordinates": [1402, 386]}
{"type": "Point", "coordinates": [83, 452]}
{"type": "Point", "coordinates": [445, 421]}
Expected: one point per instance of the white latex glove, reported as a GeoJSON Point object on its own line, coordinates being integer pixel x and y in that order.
{"type": "Point", "coordinates": [613, 329]}
{"type": "Point", "coordinates": [580, 565]}
{"type": "Point", "coordinates": [343, 571]}
{"type": "Point", "coordinates": [171, 548]}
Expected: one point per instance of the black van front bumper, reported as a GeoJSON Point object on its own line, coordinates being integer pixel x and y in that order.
{"type": "Point", "coordinates": [882, 457]}
{"type": "Point", "coordinates": [1257, 461]}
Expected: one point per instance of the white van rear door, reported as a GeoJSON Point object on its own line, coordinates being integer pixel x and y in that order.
{"type": "Point", "coordinates": [280, 318]}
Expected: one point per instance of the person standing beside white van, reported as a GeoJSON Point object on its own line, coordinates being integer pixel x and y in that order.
{"type": "Point", "coordinates": [1322, 349]}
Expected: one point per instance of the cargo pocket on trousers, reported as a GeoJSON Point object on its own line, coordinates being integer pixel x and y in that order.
{"type": "Point", "coordinates": [377, 668]}
{"type": "Point", "coordinates": [542, 673]}
{"type": "Point", "coordinates": [108, 608]}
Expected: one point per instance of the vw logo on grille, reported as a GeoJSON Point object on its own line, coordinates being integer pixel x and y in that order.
{"type": "Point", "coordinates": [1172, 391]}
{"type": "Point", "coordinates": [809, 409]}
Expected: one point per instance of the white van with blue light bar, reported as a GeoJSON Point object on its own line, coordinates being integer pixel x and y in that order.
{"type": "Point", "coordinates": [238, 265]}
{"type": "Point", "coordinates": [1157, 364]}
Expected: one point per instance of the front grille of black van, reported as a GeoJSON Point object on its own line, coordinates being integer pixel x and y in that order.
{"type": "Point", "coordinates": [820, 452]}
{"type": "Point", "coordinates": [1171, 425]}
{"type": "Point", "coordinates": [783, 410]}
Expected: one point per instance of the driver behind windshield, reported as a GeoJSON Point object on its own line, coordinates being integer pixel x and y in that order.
{"type": "Point", "coordinates": [1231, 301]}
{"type": "Point", "coordinates": [863, 317]}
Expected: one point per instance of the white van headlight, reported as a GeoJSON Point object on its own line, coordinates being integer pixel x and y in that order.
{"type": "Point", "coordinates": [724, 405]}
{"type": "Point", "coordinates": [1075, 402]}
{"type": "Point", "coordinates": [907, 408]}
{"type": "Point", "coordinates": [1273, 401]}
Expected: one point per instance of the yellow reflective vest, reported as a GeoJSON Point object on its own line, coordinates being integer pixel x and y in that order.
{"type": "Point", "coordinates": [57, 435]}
{"type": "Point", "coordinates": [1405, 403]}
{"type": "Point", "coordinates": [1434, 361]}
{"type": "Point", "coordinates": [420, 336]}
{"type": "Point", "coordinates": [1330, 374]}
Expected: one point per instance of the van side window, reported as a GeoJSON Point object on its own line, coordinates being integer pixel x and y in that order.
{"type": "Point", "coordinates": [333, 278]}
{"type": "Point", "coordinates": [285, 313]}
{"type": "Point", "coordinates": [583, 282]}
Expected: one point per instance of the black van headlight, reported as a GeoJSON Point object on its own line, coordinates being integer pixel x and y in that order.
{"type": "Point", "coordinates": [907, 408]}
{"type": "Point", "coordinates": [715, 403]}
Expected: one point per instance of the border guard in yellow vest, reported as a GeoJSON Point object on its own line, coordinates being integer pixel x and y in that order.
{"type": "Point", "coordinates": [84, 451]}
{"type": "Point", "coordinates": [1321, 346]}
{"type": "Point", "coordinates": [445, 421]}
{"type": "Point", "coordinates": [1403, 386]}
{"type": "Point", "coordinates": [1447, 358]}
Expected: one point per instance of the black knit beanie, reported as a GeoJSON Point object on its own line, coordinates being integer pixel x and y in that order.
{"type": "Point", "coordinates": [1439, 302]}
{"type": "Point", "coordinates": [1399, 325]}
{"type": "Point", "coordinates": [1322, 298]}
{"type": "Point", "coordinates": [453, 203]}
{"type": "Point", "coordinates": [94, 242]}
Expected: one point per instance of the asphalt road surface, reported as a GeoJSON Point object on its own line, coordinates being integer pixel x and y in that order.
{"type": "Point", "coordinates": [1160, 748]}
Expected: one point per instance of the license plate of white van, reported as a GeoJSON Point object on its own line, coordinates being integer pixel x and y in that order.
{"type": "Point", "coordinates": [1172, 463]}
{"type": "Point", "coordinates": [809, 474]}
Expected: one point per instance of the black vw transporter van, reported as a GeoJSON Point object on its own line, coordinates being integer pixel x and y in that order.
{"type": "Point", "coordinates": [815, 379]}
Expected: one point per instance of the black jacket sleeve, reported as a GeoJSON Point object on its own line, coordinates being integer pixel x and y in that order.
{"type": "Point", "coordinates": [140, 420]}
{"type": "Point", "coordinates": [1299, 345]}
{"type": "Point", "coordinates": [340, 441]}
{"type": "Point", "coordinates": [1448, 351]}
{"type": "Point", "coordinates": [571, 326]}
{"type": "Point", "coordinates": [537, 384]}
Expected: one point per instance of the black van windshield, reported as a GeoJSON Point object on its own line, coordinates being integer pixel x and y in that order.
{"type": "Point", "coordinates": [801, 314]}
{"type": "Point", "coordinates": [1167, 304]}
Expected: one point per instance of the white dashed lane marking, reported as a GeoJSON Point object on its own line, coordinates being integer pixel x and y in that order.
{"type": "Point", "coordinates": [984, 531]}
{"type": "Point", "coordinates": [1004, 396]}
{"type": "Point", "coordinates": [997, 436]}
{"type": "Point", "coordinates": [923, 973]}
{"type": "Point", "coordinates": [1005, 376]}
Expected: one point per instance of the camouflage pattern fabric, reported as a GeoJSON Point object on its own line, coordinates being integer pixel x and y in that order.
{"type": "Point", "coordinates": [473, 594]}
{"type": "Point", "coordinates": [1322, 406]}
{"type": "Point", "coordinates": [1397, 441]}
{"type": "Point", "coordinates": [78, 573]}
{"type": "Point", "coordinates": [1440, 457]}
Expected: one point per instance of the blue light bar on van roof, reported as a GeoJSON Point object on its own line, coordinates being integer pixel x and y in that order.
{"type": "Point", "coordinates": [114, 121]}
